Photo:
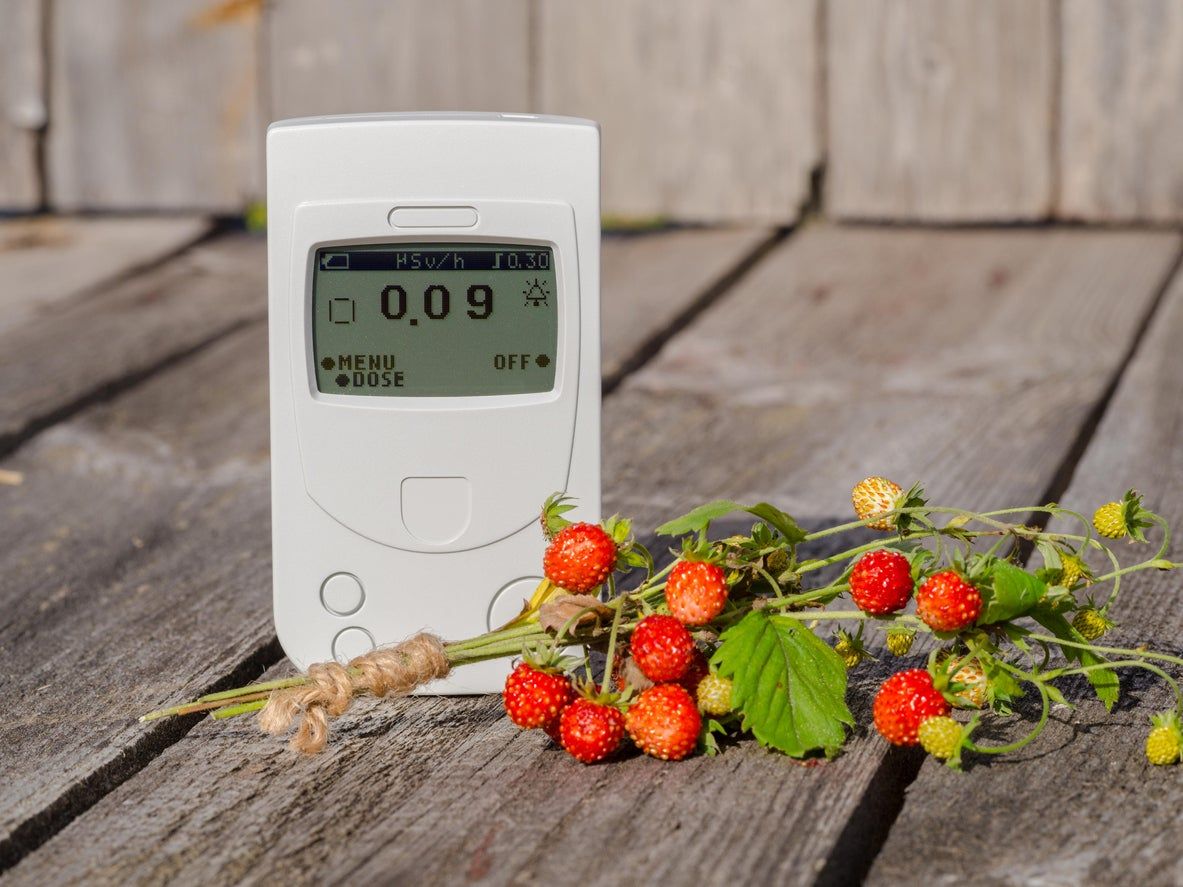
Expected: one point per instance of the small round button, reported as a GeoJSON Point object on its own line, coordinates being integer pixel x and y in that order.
{"type": "Point", "coordinates": [342, 594]}
{"type": "Point", "coordinates": [351, 642]}
{"type": "Point", "coordinates": [508, 602]}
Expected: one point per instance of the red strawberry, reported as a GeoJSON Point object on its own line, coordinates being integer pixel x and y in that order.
{"type": "Point", "coordinates": [664, 722]}
{"type": "Point", "coordinates": [698, 669]}
{"type": "Point", "coordinates": [905, 701]}
{"type": "Point", "coordinates": [662, 648]}
{"type": "Point", "coordinates": [533, 697]}
{"type": "Point", "coordinates": [696, 592]}
{"type": "Point", "coordinates": [881, 582]}
{"type": "Point", "coordinates": [591, 731]}
{"type": "Point", "coordinates": [580, 557]}
{"type": "Point", "coordinates": [946, 602]}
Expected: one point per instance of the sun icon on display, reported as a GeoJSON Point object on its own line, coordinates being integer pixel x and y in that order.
{"type": "Point", "coordinates": [536, 293]}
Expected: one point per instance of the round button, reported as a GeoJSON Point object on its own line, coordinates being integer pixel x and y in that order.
{"type": "Point", "coordinates": [342, 594]}
{"type": "Point", "coordinates": [351, 642]}
{"type": "Point", "coordinates": [508, 602]}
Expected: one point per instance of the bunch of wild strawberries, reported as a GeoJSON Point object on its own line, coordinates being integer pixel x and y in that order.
{"type": "Point", "coordinates": [725, 641]}
{"type": "Point", "coordinates": [663, 688]}
{"type": "Point", "coordinates": [662, 662]}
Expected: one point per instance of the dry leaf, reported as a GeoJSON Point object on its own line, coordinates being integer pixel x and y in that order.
{"type": "Point", "coordinates": [558, 612]}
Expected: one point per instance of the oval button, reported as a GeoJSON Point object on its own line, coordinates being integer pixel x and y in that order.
{"type": "Point", "coordinates": [433, 217]}
{"type": "Point", "coordinates": [342, 594]}
{"type": "Point", "coordinates": [350, 643]}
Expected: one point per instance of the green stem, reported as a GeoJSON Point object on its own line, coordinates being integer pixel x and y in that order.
{"type": "Point", "coordinates": [1035, 731]}
{"type": "Point", "coordinates": [232, 711]}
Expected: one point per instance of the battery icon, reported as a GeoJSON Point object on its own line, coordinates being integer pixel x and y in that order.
{"type": "Point", "coordinates": [334, 262]}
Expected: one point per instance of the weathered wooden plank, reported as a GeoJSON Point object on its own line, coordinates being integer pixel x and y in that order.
{"type": "Point", "coordinates": [1121, 111]}
{"type": "Point", "coordinates": [155, 106]}
{"type": "Point", "coordinates": [707, 114]}
{"type": "Point", "coordinates": [143, 523]}
{"type": "Point", "coordinates": [116, 336]}
{"type": "Point", "coordinates": [48, 260]}
{"type": "Point", "coordinates": [862, 351]}
{"type": "Point", "coordinates": [22, 102]}
{"type": "Point", "coordinates": [377, 55]}
{"type": "Point", "coordinates": [651, 280]}
{"type": "Point", "coordinates": [940, 109]}
{"type": "Point", "coordinates": [885, 348]}
{"type": "Point", "coordinates": [1118, 818]}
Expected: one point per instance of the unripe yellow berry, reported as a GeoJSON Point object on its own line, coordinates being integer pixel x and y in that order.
{"type": "Point", "coordinates": [1109, 520]}
{"type": "Point", "coordinates": [875, 495]}
{"type": "Point", "coordinates": [940, 736]}
{"type": "Point", "coordinates": [714, 695]}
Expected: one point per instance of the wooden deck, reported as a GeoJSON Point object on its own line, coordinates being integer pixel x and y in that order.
{"type": "Point", "coordinates": [999, 366]}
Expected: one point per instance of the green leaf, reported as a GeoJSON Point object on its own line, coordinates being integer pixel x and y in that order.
{"type": "Point", "coordinates": [1013, 593]}
{"type": "Point", "coordinates": [700, 519]}
{"type": "Point", "coordinates": [788, 685]}
{"type": "Point", "coordinates": [1104, 680]}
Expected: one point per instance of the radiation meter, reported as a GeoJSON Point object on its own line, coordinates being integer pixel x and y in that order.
{"type": "Point", "coordinates": [435, 370]}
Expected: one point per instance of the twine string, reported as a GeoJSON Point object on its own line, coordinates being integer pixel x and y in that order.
{"type": "Point", "coordinates": [331, 688]}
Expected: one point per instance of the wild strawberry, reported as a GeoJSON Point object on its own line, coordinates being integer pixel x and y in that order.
{"type": "Point", "coordinates": [904, 702]}
{"type": "Point", "coordinates": [534, 697]}
{"type": "Point", "coordinates": [580, 557]}
{"type": "Point", "coordinates": [590, 731]}
{"type": "Point", "coordinates": [662, 648]}
{"type": "Point", "coordinates": [946, 602]}
{"type": "Point", "coordinates": [1091, 623]}
{"type": "Point", "coordinates": [1164, 741]}
{"type": "Point", "coordinates": [940, 736]}
{"type": "Point", "coordinates": [881, 582]}
{"type": "Point", "coordinates": [974, 689]}
{"type": "Point", "coordinates": [874, 496]}
{"type": "Point", "coordinates": [698, 669]}
{"type": "Point", "coordinates": [696, 592]}
{"type": "Point", "coordinates": [1072, 570]}
{"type": "Point", "coordinates": [899, 641]}
{"type": "Point", "coordinates": [714, 695]}
{"type": "Point", "coordinates": [849, 649]}
{"type": "Point", "coordinates": [1110, 520]}
{"type": "Point", "coordinates": [664, 722]}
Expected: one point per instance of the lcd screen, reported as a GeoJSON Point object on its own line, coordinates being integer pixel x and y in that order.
{"type": "Point", "coordinates": [434, 319]}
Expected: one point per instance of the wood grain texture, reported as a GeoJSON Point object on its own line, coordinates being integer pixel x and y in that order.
{"type": "Point", "coordinates": [940, 109]}
{"type": "Point", "coordinates": [377, 55]}
{"type": "Point", "coordinates": [1121, 114]}
{"type": "Point", "coordinates": [158, 530]}
{"type": "Point", "coordinates": [709, 113]}
{"type": "Point", "coordinates": [86, 348]}
{"type": "Point", "coordinates": [1118, 818]}
{"type": "Point", "coordinates": [845, 350]}
{"type": "Point", "coordinates": [155, 106]}
{"type": "Point", "coordinates": [46, 261]}
{"type": "Point", "coordinates": [22, 102]}
{"type": "Point", "coordinates": [651, 280]}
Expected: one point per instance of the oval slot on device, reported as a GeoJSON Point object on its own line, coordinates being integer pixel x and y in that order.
{"type": "Point", "coordinates": [433, 217]}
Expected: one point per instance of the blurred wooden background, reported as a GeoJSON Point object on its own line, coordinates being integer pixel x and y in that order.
{"type": "Point", "coordinates": [746, 110]}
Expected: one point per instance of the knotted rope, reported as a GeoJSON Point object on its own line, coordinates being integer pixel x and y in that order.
{"type": "Point", "coordinates": [386, 671]}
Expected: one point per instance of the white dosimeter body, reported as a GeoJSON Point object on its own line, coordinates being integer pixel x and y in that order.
{"type": "Point", "coordinates": [435, 370]}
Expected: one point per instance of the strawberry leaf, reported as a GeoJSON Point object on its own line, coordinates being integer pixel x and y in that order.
{"type": "Point", "coordinates": [1013, 593]}
{"type": "Point", "coordinates": [700, 519]}
{"type": "Point", "coordinates": [789, 686]}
